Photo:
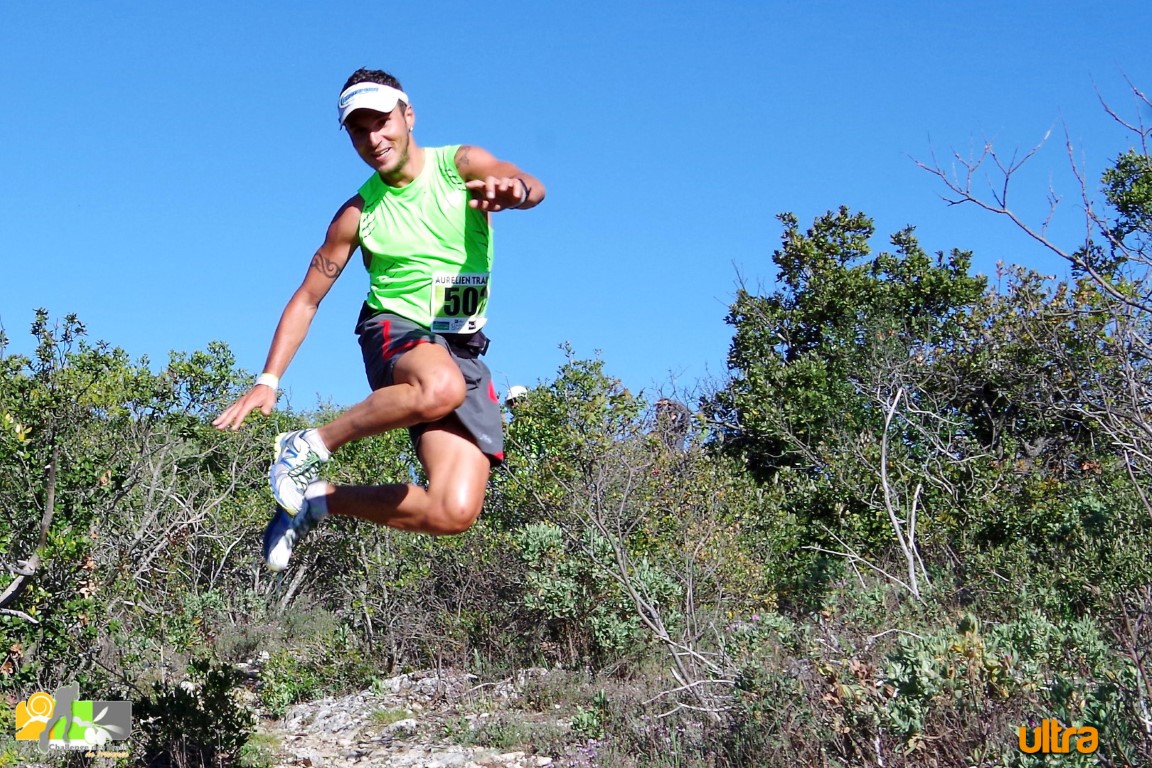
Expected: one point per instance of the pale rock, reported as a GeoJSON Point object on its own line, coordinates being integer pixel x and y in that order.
{"type": "Point", "coordinates": [402, 728]}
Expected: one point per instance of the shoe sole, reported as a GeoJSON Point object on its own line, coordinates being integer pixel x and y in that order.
{"type": "Point", "coordinates": [265, 549]}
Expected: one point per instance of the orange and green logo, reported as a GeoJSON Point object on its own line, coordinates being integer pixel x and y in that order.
{"type": "Point", "coordinates": [62, 720]}
{"type": "Point", "coordinates": [1051, 738]}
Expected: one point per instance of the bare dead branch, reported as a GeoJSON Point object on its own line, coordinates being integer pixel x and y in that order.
{"type": "Point", "coordinates": [856, 557]}
{"type": "Point", "coordinates": [17, 614]}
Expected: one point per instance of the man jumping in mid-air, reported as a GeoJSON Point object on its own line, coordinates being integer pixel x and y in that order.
{"type": "Point", "coordinates": [422, 224]}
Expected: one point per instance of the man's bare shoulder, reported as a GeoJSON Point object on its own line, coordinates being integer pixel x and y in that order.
{"type": "Point", "coordinates": [472, 160]}
{"type": "Point", "coordinates": [345, 226]}
{"type": "Point", "coordinates": [352, 206]}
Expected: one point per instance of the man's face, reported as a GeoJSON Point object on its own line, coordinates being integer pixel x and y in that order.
{"type": "Point", "coordinates": [381, 139]}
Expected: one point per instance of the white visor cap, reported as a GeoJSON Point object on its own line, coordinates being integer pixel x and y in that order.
{"type": "Point", "coordinates": [382, 98]}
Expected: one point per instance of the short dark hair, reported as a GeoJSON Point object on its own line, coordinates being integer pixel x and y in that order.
{"type": "Point", "coordinates": [377, 76]}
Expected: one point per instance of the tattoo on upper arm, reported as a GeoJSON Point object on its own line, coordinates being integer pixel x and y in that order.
{"type": "Point", "coordinates": [326, 266]}
{"type": "Point", "coordinates": [462, 158]}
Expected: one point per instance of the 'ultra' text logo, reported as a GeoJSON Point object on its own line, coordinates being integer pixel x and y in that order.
{"type": "Point", "coordinates": [1053, 738]}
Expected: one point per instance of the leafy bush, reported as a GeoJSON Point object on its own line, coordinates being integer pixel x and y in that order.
{"type": "Point", "coordinates": [199, 722]}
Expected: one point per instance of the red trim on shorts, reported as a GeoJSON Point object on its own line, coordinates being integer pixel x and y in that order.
{"type": "Point", "coordinates": [387, 349]}
{"type": "Point", "coordinates": [499, 456]}
{"type": "Point", "coordinates": [405, 347]}
{"type": "Point", "coordinates": [492, 395]}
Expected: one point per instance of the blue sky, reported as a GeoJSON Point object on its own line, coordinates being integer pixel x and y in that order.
{"type": "Point", "coordinates": [167, 170]}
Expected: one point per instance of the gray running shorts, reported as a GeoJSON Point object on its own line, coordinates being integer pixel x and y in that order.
{"type": "Point", "coordinates": [385, 337]}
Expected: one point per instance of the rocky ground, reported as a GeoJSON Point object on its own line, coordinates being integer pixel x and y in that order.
{"type": "Point", "coordinates": [419, 720]}
{"type": "Point", "coordinates": [427, 720]}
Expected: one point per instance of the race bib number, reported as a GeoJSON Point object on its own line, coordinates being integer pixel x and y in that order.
{"type": "Point", "coordinates": [459, 302]}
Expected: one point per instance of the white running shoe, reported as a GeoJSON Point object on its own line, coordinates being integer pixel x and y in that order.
{"type": "Point", "coordinates": [297, 463]}
{"type": "Point", "coordinates": [284, 532]}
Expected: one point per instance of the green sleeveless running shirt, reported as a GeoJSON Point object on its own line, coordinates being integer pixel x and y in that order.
{"type": "Point", "coordinates": [429, 256]}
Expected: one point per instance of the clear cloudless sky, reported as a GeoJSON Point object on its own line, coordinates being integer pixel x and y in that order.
{"type": "Point", "coordinates": [168, 169]}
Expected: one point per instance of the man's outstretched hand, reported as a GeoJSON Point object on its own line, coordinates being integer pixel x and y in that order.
{"type": "Point", "coordinates": [260, 396]}
{"type": "Point", "coordinates": [497, 193]}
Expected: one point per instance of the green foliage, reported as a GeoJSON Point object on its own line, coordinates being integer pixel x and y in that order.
{"type": "Point", "coordinates": [1065, 671]}
{"type": "Point", "coordinates": [287, 680]}
{"type": "Point", "coordinates": [553, 586]}
{"type": "Point", "coordinates": [570, 583]}
{"type": "Point", "coordinates": [801, 355]}
{"type": "Point", "coordinates": [559, 435]}
{"type": "Point", "coordinates": [1128, 190]}
{"type": "Point", "coordinates": [47, 440]}
{"type": "Point", "coordinates": [604, 497]}
{"type": "Point", "coordinates": [198, 722]}
{"type": "Point", "coordinates": [873, 389]}
{"type": "Point", "coordinates": [87, 430]}
{"type": "Point", "coordinates": [588, 721]}
{"type": "Point", "coordinates": [259, 752]}
{"type": "Point", "coordinates": [457, 730]}
{"type": "Point", "coordinates": [389, 716]}
{"type": "Point", "coordinates": [923, 689]}
{"type": "Point", "coordinates": [818, 368]}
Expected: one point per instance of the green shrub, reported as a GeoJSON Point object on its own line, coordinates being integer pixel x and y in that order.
{"type": "Point", "coordinates": [199, 722]}
{"type": "Point", "coordinates": [286, 679]}
{"type": "Point", "coordinates": [570, 585]}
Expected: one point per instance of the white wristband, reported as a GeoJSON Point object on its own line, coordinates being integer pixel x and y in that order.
{"type": "Point", "coordinates": [269, 380]}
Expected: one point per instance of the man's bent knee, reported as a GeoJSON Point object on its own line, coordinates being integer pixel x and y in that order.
{"type": "Point", "coordinates": [440, 396]}
{"type": "Point", "coordinates": [438, 382]}
{"type": "Point", "coordinates": [451, 519]}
